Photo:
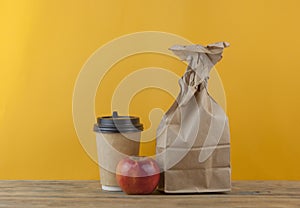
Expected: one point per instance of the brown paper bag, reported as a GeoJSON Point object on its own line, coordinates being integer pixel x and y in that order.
{"type": "Point", "coordinates": [193, 141]}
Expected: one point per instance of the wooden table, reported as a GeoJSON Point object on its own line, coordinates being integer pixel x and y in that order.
{"type": "Point", "coordinates": [88, 194]}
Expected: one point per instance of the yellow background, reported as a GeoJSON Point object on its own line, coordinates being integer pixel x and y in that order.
{"type": "Point", "coordinates": [45, 43]}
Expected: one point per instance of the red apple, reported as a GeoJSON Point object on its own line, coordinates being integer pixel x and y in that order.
{"type": "Point", "coordinates": [138, 175]}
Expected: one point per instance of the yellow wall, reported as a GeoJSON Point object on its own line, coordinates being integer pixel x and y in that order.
{"type": "Point", "coordinates": [45, 43]}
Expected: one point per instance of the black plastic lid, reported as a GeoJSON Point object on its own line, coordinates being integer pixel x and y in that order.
{"type": "Point", "coordinates": [116, 123]}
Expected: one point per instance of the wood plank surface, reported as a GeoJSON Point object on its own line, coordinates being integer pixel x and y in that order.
{"type": "Point", "coordinates": [87, 194]}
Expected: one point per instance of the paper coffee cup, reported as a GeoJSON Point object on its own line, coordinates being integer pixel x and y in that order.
{"type": "Point", "coordinates": [117, 137]}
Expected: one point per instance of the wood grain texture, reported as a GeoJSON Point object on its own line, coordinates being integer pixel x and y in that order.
{"type": "Point", "coordinates": [87, 194]}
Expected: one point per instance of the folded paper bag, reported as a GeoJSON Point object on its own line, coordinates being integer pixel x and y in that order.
{"type": "Point", "coordinates": [193, 141]}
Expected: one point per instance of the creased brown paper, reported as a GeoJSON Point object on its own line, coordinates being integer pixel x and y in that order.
{"type": "Point", "coordinates": [193, 141]}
